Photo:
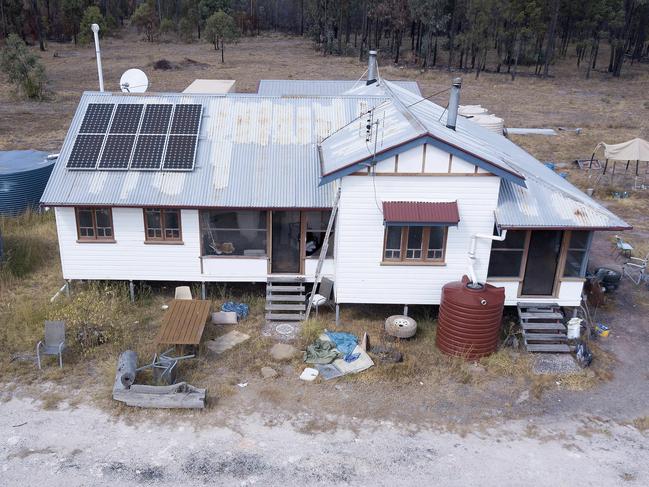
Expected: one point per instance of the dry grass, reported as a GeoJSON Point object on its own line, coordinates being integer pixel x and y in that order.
{"type": "Point", "coordinates": [642, 423]}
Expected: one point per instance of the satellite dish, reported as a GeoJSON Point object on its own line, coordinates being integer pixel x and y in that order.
{"type": "Point", "coordinates": [134, 81]}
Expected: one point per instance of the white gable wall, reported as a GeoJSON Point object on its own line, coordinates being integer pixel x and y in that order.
{"type": "Point", "coordinates": [360, 277]}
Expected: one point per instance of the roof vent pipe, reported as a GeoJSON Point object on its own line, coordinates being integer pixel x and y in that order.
{"type": "Point", "coordinates": [454, 103]}
{"type": "Point", "coordinates": [100, 73]}
{"type": "Point", "coordinates": [372, 68]}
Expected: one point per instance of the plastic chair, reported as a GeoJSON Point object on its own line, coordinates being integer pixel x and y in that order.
{"type": "Point", "coordinates": [54, 343]}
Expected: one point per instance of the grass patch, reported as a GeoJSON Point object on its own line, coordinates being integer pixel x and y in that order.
{"type": "Point", "coordinates": [642, 423]}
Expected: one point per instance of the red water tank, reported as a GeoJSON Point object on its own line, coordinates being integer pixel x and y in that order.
{"type": "Point", "coordinates": [470, 319]}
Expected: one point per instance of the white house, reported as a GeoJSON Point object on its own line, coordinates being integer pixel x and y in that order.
{"type": "Point", "coordinates": [239, 187]}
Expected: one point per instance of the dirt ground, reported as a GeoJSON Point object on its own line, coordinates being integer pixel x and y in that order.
{"type": "Point", "coordinates": [426, 418]}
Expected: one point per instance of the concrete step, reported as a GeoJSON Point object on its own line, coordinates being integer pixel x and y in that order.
{"type": "Point", "coordinates": [288, 279]}
{"type": "Point", "coordinates": [286, 307]}
{"type": "Point", "coordinates": [548, 347]}
{"type": "Point", "coordinates": [284, 316]}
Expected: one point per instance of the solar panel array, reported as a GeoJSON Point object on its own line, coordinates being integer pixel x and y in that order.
{"type": "Point", "coordinates": [145, 137]}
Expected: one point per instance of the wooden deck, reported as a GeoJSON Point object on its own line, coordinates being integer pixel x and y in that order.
{"type": "Point", "coordinates": [184, 322]}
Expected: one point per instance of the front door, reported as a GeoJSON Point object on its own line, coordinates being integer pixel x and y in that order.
{"type": "Point", "coordinates": [285, 252]}
{"type": "Point", "coordinates": [542, 261]}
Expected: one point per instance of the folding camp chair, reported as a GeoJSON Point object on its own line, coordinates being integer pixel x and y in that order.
{"type": "Point", "coordinates": [635, 269]}
{"type": "Point", "coordinates": [623, 247]}
{"type": "Point", "coordinates": [54, 343]}
{"type": "Point", "coordinates": [323, 296]}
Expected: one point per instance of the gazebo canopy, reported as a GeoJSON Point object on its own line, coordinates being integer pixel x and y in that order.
{"type": "Point", "coordinates": [632, 150]}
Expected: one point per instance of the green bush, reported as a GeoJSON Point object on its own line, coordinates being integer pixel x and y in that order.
{"type": "Point", "coordinates": [92, 15]}
{"type": "Point", "coordinates": [23, 68]}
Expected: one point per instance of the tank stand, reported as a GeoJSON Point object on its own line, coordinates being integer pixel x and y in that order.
{"type": "Point", "coordinates": [131, 290]}
{"type": "Point", "coordinates": [405, 310]}
{"type": "Point", "coordinates": [203, 294]}
{"type": "Point", "coordinates": [337, 315]}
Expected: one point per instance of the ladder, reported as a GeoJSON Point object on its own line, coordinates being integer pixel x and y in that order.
{"type": "Point", "coordinates": [323, 255]}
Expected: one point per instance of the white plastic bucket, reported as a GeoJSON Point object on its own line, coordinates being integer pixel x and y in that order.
{"type": "Point", "coordinates": [574, 328]}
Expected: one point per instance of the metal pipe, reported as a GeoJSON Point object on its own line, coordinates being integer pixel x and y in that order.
{"type": "Point", "coordinates": [472, 250]}
{"type": "Point", "coordinates": [454, 103]}
{"type": "Point", "coordinates": [372, 68]}
{"type": "Point", "coordinates": [100, 73]}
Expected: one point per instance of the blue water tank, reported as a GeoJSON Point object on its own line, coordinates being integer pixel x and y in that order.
{"type": "Point", "coordinates": [23, 176]}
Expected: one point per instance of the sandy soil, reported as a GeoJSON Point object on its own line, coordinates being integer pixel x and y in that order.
{"type": "Point", "coordinates": [83, 446]}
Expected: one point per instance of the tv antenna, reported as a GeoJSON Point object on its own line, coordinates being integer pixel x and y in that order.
{"type": "Point", "coordinates": [134, 81]}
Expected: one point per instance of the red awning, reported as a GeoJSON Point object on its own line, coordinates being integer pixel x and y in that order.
{"type": "Point", "coordinates": [420, 213]}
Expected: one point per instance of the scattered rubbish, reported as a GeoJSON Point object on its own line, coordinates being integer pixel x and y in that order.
{"type": "Point", "coordinates": [183, 292]}
{"type": "Point", "coordinates": [243, 384]}
{"type": "Point", "coordinates": [590, 191]}
{"type": "Point", "coordinates": [283, 351]}
{"type": "Point", "coordinates": [224, 318]}
{"type": "Point", "coordinates": [18, 425]}
{"type": "Point", "coordinates": [583, 354]}
{"type": "Point", "coordinates": [344, 342]}
{"type": "Point", "coordinates": [329, 371]}
{"type": "Point", "coordinates": [608, 278]}
{"type": "Point", "coordinates": [619, 195]}
{"type": "Point", "coordinates": [164, 307]}
{"type": "Point", "coordinates": [321, 352]}
{"type": "Point", "coordinates": [387, 355]}
{"type": "Point", "coordinates": [181, 395]}
{"type": "Point", "coordinates": [226, 342]}
{"type": "Point", "coordinates": [309, 374]}
{"type": "Point", "coordinates": [564, 175]}
{"type": "Point", "coordinates": [240, 309]}
{"type": "Point", "coordinates": [550, 165]}
{"type": "Point", "coordinates": [602, 330]}
{"type": "Point", "coordinates": [268, 373]}
{"type": "Point", "coordinates": [365, 342]}
{"type": "Point", "coordinates": [400, 326]}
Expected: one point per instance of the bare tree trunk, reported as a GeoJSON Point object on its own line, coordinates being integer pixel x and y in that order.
{"type": "Point", "coordinates": [549, 51]}
{"type": "Point", "coordinates": [518, 52]}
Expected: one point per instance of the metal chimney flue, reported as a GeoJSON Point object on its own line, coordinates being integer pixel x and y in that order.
{"type": "Point", "coordinates": [454, 103]}
{"type": "Point", "coordinates": [372, 68]}
{"type": "Point", "coordinates": [100, 73]}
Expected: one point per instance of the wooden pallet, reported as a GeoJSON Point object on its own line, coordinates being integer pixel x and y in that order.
{"type": "Point", "coordinates": [543, 328]}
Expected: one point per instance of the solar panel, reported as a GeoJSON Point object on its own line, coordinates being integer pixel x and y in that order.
{"type": "Point", "coordinates": [96, 118]}
{"type": "Point", "coordinates": [156, 119]}
{"type": "Point", "coordinates": [85, 152]}
{"type": "Point", "coordinates": [180, 153]}
{"type": "Point", "coordinates": [148, 152]}
{"type": "Point", "coordinates": [126, 119]}
{"type": "Point", "coordinates": [117, 152]}
{"type": "Point", "coordinates": [187, 119]}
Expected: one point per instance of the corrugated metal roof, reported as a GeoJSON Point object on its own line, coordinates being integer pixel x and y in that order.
{"type": "Point", "coordinates": [546, 200]}
{"type": "Point", "coordinates": [421, 212]}
{"type": "Point", "coordinates": [310, 87]}
{"type": "Point", "coordinates": [253, 151]}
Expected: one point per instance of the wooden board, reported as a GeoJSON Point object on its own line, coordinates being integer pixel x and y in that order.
{"type": "Point", "coordinates": [184, 322]}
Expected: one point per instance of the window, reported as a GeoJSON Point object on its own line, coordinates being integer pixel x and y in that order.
{"type": "Point", "coordinates": [234, 233]}
{"type": "Point", "coordinates": [162, 225]}
{"type": "Point", "coordinates": [577, 254]}
{"type": "Point", "coordinates": [507, 256]}
{"type": "Point", "coordinates": [414, 244]}
{"type": "Point", "coordinates": [94, 224]}
{"type": "Point", "coordinates": [316, 228]}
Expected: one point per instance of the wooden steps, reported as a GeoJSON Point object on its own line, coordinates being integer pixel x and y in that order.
{"type": "Point", "coordinates": [285, 299]}
{"type": "Point", "coordinates": [543, 328]}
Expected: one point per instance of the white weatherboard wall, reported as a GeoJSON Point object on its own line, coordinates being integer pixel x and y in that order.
{"type": "Point", "coordinates": [569, 293]}
{"type": "Point", "coordinates": [129, 258]}
{"type": "Point", "coordinates": [360, 277]}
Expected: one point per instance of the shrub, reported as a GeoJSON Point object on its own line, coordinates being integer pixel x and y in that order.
{"type": "Point", "coordinates": [92, 15]}
{"type": "Point", "coordinates": [23, 68]}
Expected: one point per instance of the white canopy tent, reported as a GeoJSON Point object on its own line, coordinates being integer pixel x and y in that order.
{"type": "Point", "coordinates": [634, 150]}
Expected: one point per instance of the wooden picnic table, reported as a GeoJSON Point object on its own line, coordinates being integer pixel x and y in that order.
{"type": "Point", "coordinates": [184, 322]}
